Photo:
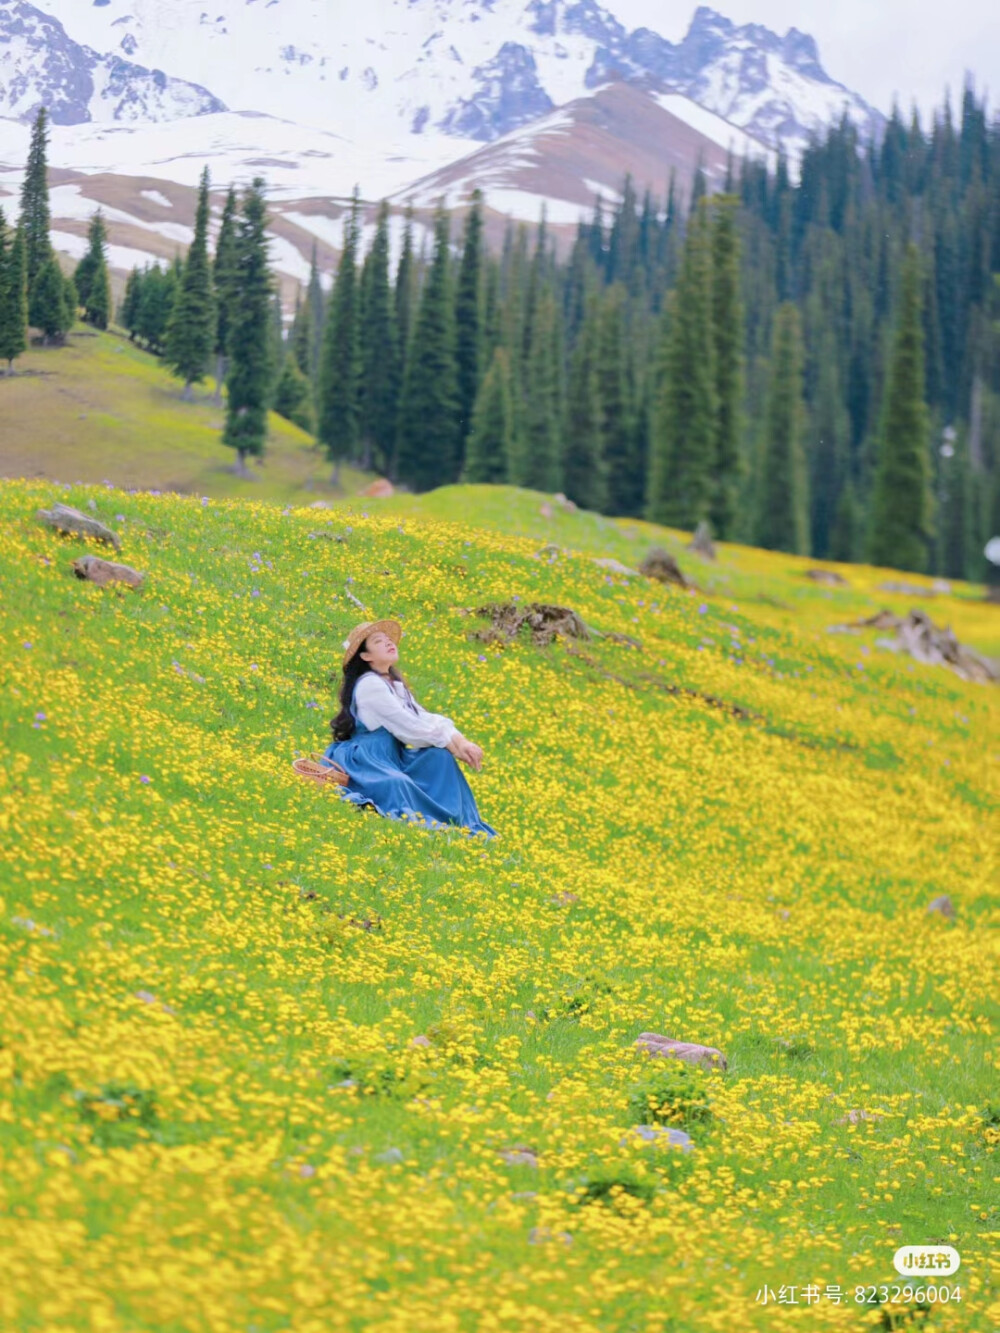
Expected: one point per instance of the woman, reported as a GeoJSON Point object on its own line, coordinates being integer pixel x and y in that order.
{"type": "Point", "coordinates": [399, 758]}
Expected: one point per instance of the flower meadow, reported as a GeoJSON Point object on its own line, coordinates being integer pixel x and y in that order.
{"type": "Point", "coordinates": [270, 1062]}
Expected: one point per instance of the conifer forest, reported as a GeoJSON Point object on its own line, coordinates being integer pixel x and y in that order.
{"type": "Point", "coordinates": [806, 361]}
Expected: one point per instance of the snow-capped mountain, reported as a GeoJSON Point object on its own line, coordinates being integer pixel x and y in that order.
{"type": "Point", "coordinates": [40, 63]}
{"type": "Point", "coordinates": [391, 70]}
{"type": "Point", "coordinates": [537, 102]}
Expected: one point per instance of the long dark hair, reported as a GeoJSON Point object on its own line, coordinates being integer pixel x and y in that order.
{"type": "Point", "coordinates": [342, 725]}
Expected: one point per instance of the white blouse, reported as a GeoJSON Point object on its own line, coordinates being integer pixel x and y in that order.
{"type": "Point", "coordinates": [382, 703]}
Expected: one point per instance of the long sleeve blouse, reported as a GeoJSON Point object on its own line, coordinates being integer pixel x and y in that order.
{"type": "Point", "coordinates": [384, 703]}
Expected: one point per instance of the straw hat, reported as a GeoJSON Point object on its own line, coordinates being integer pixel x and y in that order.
{"type": "Point", "coordinates": [359, 633]}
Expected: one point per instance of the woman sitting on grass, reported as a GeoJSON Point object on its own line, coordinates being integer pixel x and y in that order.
{"type": "Point", "coordinates": [398, 757]}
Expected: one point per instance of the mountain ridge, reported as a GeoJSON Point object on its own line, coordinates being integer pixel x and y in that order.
{"type": "Point", "coordinates": [461, 68]}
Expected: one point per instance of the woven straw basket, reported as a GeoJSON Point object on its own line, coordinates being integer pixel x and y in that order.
{"type": "Point", "coordinates": [320, 769]}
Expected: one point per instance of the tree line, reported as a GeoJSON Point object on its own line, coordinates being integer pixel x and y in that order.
{"type": "Point", "coordinates": [812, 365]}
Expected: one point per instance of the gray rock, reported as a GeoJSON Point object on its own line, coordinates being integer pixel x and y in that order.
{"type": "Point", "coordinates": [943, 906]}
{"type": "Point", "coordinates": [390, 1157]}
{"type": "Point", "coordinates": [662, 1136]}
{"type": "Point", "coordinates": [662, 566]}
{"type": "Point", "coordinates": [615, 566]}
{"type": "Point", "coordinates": [64, 518]}
{"type": "Point", "coordinates": [706, 1056]}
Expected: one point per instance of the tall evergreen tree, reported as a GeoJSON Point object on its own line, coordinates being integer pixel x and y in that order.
{"type": "Point", "coordinates": [191, 329]}
{"type": "Point", "coordinates": [53, 308]}
{"type": "Point", "coordinates": [293, 395]}
{"type": "Point", "coordinates": [622, 485]}
{"type": "Point", "coordinates": [728, 341]}
{"type": "Point", "coordinates": [428, 431]}
{"type": "Point", "coordinates": [301, 337]}
{"type": "Point", "coordinates": [94, 257]}
{"type": "Point", "coordinates": [129, 309]}
{"type": "Point", "coordinates": [225, 287]}
{"type": "Point", "coordinates": [380, 370]}
{"type": "Point", "coordinates": [35, 214]}
{"type": "Point", "coordinates": [683, 443]}
{"type": "Point", "coordinates": [316, 302]}
{"type": "Point", "coordinates": [490, 440]}
{"type": "Point", "coordinates": [249, 375]}
{"type": "Point", "coordinates": [846, 534]}
{"type": "Point", "coordinates": [828, 430]}
{"type": "Point", "coordinates": [782, 521]}
{"type": "Point", "coordinates": [584, 466]}
{"type": "Point", "coordinates": [469, 315]}
{"type": "Point", "coordinates": [13, 295]}
{"type": "Point", "coordinates": [339, 414]}
{"type": "Point", "coordinates": [901, 519]}
{"type": "Point", "coordinates": [406, 287]}
{"type": "Point", "coordinates": [537, 462]}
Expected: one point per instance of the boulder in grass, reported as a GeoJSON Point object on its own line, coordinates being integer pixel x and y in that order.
{"type": "Point", "coordinates": [661, 1136]}
{"type": "Point", "coordinates": [103, 572]}
{"type": "Point", "coordinates": [701, 543]}
{"type": "Point", "coordinates": [381, 486]}
{"type": "Point", "coordinates": [64, 518]}
{"type": "Point", "coordinates": [856, 1117]}
{"type": "Point", "coordinates": [706, 1056]}
{"type": "Point", "coordinates": [829, 577]}
{"type": "Point", "coordinates": [942, 906]}
{"type": "Point", "coordinates": [519, 1154]}
{"type": "Point", "coordinates": [662, 566]}
{"type": "Point", "coordinates": [615, 566]}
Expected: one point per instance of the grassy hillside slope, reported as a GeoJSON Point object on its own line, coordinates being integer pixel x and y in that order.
{"type": "Point", "coordinates": [102, 409]}
{"type": "Point", "coordinates": [212, 1113]}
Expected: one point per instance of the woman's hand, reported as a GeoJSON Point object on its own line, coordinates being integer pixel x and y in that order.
{"type": "Point", "coordinates": [467, 751]}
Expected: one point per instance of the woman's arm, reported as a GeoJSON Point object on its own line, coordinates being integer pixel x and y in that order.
{"type": "Point", "coordinates": [379, 705]}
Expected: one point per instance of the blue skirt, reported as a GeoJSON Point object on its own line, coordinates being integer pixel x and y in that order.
{"type": "Point", "coordinates": [423, 786]}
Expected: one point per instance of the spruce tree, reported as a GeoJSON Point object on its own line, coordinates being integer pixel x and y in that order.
{"type": "Point", "coordinates": [683, 433]}
{"type": "Point", "coordinates": [249, 374]}
{"type": "Point", "coordinates": [584, 469]}
{"type": "Point", "coordinates": [846, 532]}
{"type": "Point", "coordinates": [97, 307]}
{"type": "Point", "coordinates": [191, 330]}
{"type": "Point", "coordinates": [782, 520]}
{"type": "Point", "coordinates": [301, 336]}
{"type": "Point", "coordinates": [13, 295]}
{"type": "Point", "coordinates": [128, 313]}
{"type": "Point", "coordinates": [225, 287]}
{"type": "Point", "coordinates": [154, 303]}
{"type": "Point", "coordinates": [92, 258]}
{"type": "Point", "coordinates": [339, 402]}
{"type": "Point", "coordinates": [537, 462]}
{"type": "Point", "coordinates": [406, 287]}
{"type": "Point", "coordinates": [428, 434]}
{"type": "Point", "coordinates": [380, 370]}
{"type": "Point", "coordinates": [617, 462]}
{"type": "Point", "coordinates": [35, 215]}
{"type": "Point", "coordinates": [51, 310]}
{"type": "Point", "coordinates": [728, 339]}
{"type": "Point", "coordinates": [316, 302]}
{"type": "Point", "coordinates": [828, 428]}
{"type": "Point", "coordinates": [469, 315]}
{"type": "Point", "coordinates": [901, 526]}
{"type": "Point", "coordinates": [293, 395]}
{"type": "Point", "coordinates": [490, 440]}
{"type": "Point", "coordinates": [956, 517]}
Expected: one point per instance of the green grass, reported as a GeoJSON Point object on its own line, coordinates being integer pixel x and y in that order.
{"type": "Point", "coordinates": [102, 409]}
{"type": "Point", "coordinates": [728, 831]}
